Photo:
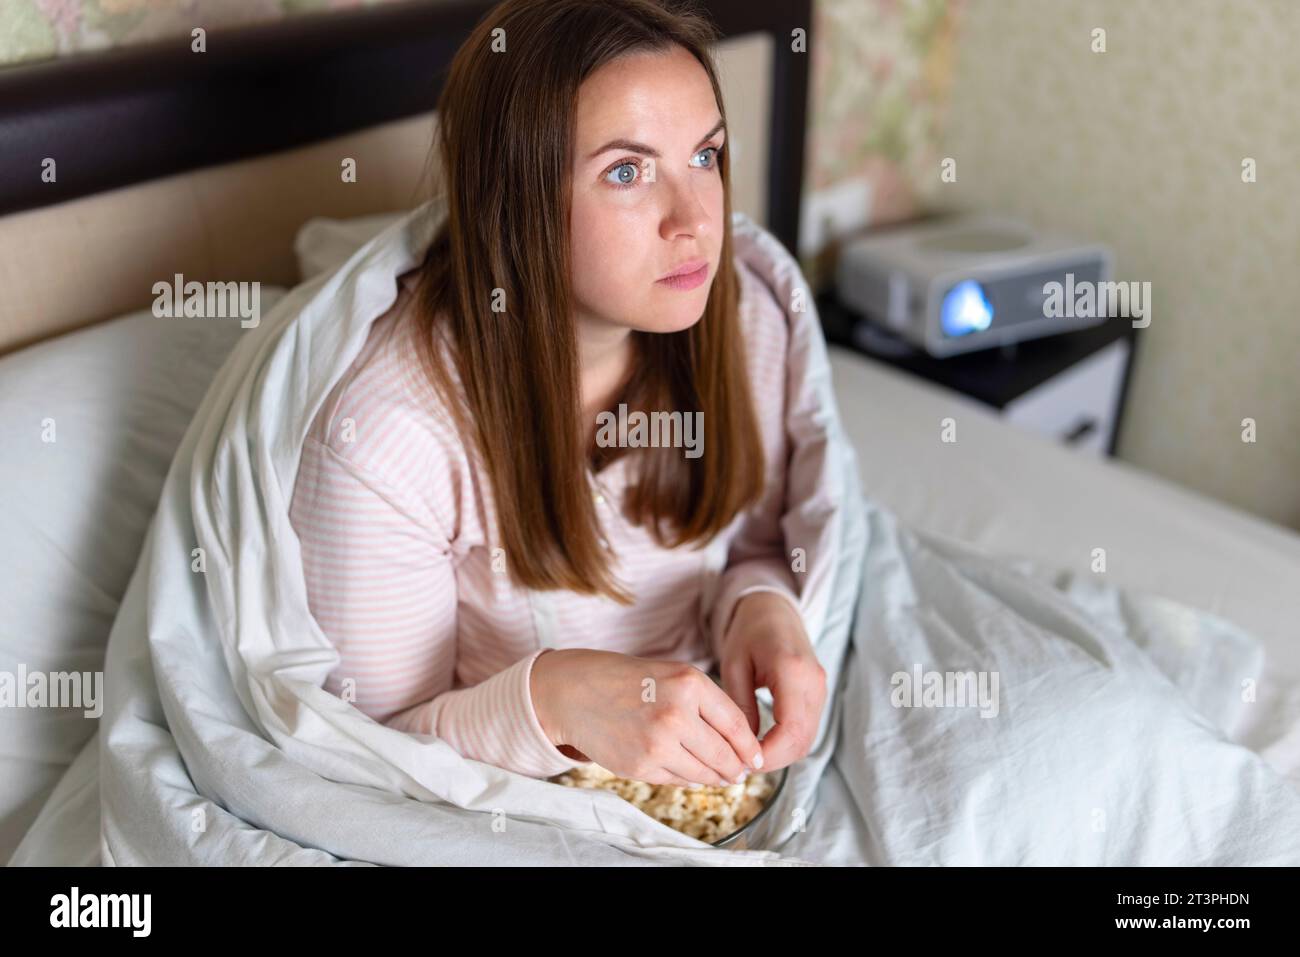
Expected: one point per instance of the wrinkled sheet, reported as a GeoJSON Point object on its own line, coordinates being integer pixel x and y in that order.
{"type": "Point", "coordinates": [218, 744]}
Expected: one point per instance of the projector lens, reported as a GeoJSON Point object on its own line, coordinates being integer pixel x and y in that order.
{"type": "Point", "coordinates": [965, 309]}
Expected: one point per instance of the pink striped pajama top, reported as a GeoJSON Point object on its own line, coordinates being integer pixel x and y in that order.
{"type": "Point", "coordinates": [395, 523]}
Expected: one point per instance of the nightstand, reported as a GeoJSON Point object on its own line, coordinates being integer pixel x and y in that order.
{"type": "Point", "coordinates": [1070, 387]}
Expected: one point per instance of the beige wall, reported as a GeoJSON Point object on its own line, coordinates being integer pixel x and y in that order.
{"type": "Point", "coordinates": [1142, 146]}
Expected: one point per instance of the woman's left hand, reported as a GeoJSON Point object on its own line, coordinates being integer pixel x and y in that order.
{"type": "Point", "coordinates": [766, 646]}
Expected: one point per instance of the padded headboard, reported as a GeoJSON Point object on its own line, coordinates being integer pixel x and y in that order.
{"type": "Point", "coordinates": [207, 164]}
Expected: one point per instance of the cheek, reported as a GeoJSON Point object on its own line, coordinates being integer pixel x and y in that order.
{"type": "Point", "coordinates": [606, 258]}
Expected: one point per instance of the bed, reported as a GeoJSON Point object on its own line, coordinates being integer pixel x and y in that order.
{"type": "Point", "coordinates": [95, 393]}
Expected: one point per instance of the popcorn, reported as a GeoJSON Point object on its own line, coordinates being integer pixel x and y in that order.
{"type": "Point", "coordinates": [708, 813]}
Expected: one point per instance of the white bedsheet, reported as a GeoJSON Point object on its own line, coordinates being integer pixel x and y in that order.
{"type": "Point", "coordinates": [1020, 495]}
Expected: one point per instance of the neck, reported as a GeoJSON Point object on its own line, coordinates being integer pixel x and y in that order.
{"type": "Point", "coordinates": [604, 358]}
{"type": "Point", "coordinates": [605, 355]}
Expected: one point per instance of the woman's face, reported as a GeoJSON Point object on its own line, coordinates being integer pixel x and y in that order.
{"type": "Point", "coordinates": [651, 202]}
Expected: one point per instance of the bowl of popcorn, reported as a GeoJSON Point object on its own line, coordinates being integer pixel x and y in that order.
{"type": "Point", "coordinates": [718, 815]}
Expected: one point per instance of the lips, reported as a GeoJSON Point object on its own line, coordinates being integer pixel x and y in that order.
{"type": "Point", "coordinates": [686, 268]}
{"type": "Point", "coordinates": [686, 281]}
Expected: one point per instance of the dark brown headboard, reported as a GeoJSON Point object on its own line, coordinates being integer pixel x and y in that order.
{"type": "Point", "coordinates": [137, 113]}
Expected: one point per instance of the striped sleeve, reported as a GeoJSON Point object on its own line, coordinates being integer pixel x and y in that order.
{"type": "Point", "coordinates": [381, 583]}
{"type": "Point", "coordinates": [764, 572]}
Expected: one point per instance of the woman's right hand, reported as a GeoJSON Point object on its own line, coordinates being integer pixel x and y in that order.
{"type": "Point", "coordinates": [663, 722]}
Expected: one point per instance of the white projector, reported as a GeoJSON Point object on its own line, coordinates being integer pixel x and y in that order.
{"type": "Point", "coordinates": [973, 282]}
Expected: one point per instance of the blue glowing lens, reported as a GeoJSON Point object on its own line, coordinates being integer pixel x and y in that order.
{"type": "Point", "coordinates": [965, 309]}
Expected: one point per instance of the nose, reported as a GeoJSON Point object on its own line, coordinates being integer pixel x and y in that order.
{"type": "Point", "coordinates": [687, 213]}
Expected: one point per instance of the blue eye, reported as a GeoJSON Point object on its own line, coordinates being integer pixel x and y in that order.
{"type": "Point", "coordinates": [634, 165]}
{"type": "Point", "coordinates": [715, 150]}
{"type": "Point", "coordinates": [626, 182]}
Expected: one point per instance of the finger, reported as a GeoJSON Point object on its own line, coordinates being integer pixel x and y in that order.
{"type": "Point", "coordinates": [738, 682]}
{"type": "Point", "coordinates": [728, 720]}
{"type": "Point", "coordinates": [674, 779]}
{"type": "Point", "coordinates": [714, 751]}
{"type": "Point", "coordinates": [686, 765]}
{"type": "Point", "coordinates": [796, 713]}
{"type": "Point", "coordinates": [656, 776]}
{"type": "Point", "coordinates": [781, 746]}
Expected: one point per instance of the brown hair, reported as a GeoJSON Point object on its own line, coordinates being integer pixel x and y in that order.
{"type": "Point", "coordinates": [506, 123]}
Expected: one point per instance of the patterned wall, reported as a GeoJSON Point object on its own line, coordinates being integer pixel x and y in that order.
{"type": "Point", "coordinates": [1140, 146]}
{"type": "Point", "coordinates": [882, 79]}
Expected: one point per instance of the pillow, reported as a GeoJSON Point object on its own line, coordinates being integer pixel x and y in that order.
{"type": "Point", "coordinates": [323, 245]}
{"type": "Point", "coordinates": [88, 426]}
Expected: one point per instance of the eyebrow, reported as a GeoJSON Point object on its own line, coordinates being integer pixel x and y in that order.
{"type": "Point", "coordinates": [632, 146]}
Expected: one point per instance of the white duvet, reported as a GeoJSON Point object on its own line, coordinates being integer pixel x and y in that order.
{"type": "Point", "coordinates": [1093, 733]}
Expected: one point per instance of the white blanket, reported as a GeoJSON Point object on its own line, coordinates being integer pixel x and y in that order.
{"type": "Point", "coordinates": [218, 744]}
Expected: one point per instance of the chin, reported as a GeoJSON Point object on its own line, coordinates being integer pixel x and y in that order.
{"type": "Point", "coordinates": [665, 323]}
{"type": "Point", "coordinates": [681, 314]}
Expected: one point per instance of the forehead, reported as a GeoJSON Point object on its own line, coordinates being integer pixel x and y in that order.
{"type": "Point", "coordinates": [645, 96]}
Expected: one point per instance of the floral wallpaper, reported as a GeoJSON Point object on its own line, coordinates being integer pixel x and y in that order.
{"type": "Point", "coordinates": [882, 76]}
{"type": "Point", "coordinates": [37, 29]}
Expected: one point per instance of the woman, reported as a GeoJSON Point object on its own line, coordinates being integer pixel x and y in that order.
{"type": "Point", "coordinates": [459, 470]}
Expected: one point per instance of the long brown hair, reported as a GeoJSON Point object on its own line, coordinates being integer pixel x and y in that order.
{"type": "Point", "coordinates": [506, 122]}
